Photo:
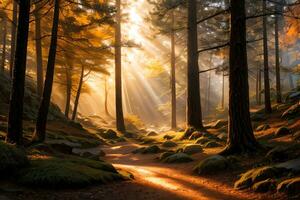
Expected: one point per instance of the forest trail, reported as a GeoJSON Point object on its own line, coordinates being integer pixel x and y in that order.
{"type": "Point", "coordinates": [154, 180]}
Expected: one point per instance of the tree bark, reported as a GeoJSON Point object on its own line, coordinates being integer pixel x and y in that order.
{"type": "Point", "coordinates": [223, 92]}
{"type": "Point", "coordinates": [173, 75]}
{"type": "Point", "coordinates": [76, 102]}
{"type": "Point", "coordinates": [106, 97]}
{"type": "Point", "coordinates": [13, 36]}
{"type": "Point", "coordinates": [240, 136]}
{"type": "Point", "coordinates": [4, 35]}
{"type": "Point", "coordinates": [277, 54]}
{"type": "Point", "coordinates": [39, 53]}
{"type": "Point", "coordinates": [118, 69]}
{"type": "Point", "coordinates": [194, 113]}
{"type": "Point", "coordinates": [268, 108]}
{"type": "Point", "coordinates": [40, 130]}
{"type": "Point", "coordinates": [15, 131]}
{"type": "Point", "coordinates": [68, 90]}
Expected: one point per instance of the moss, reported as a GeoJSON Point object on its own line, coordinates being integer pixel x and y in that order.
{"type": "Point", "coordinates": [256, 175]}
{"type": "Point", "coordinates": [85, 142]}
{"type": "Point", "coordinates": [164, 155]}
{"type": "Point", "coordinates": [11, 158]}
{"type": "Point", "coordinates": [63, 173]}
{"type": "Point", "coordinates": [211, 165]}
{"type": "Point", "coordinates": [169, 144]}
{"type": "Point", "coordinates": [211, 144]}
{"type": "Point", "coordinates": [168, 137]}
{"type": "Point", "coordinates": [192, 149]}
{"type": "Point", "coordinates": [178, 158]}
{"type": "Point", "coordinates": [151, 133]}
{"type": "Point", "coordinates": [148, 150]}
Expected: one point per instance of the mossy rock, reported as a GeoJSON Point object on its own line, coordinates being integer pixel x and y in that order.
{"type": "Point", "coordinates": [168, 137]}
{"type": "Point", "coordinates": [164, 155]}
{"type": "Point", "coordinates": [212, 165]}
{"type": "Point", "coordinates": [147, 140]}
{"type": "Point", "coordinates": [192, 149]}
{"type": "Point", "coordinates": [282, 131]}
{"type": "Point", "coordinates": [278, 153]}
{"type": "Point", "coordinates": [212, 144]}
{"type": "Point", "coordinates": [178, 158]}
{"type": "Point", "coordinates": [222, 136]}
{"type": "Point", "coordinates": [64, 173]}
{"type": "Point", "coordinates": [263, 127]}
{"type": "Point", "coordinates": [292, 112]}
{"type": "Point", "coordinates": [202, 140]}
{"type": "Point", "coordinates": [148, 150]}
{"type": "Point", "coordinates": [264, 186]}
{"type": "Point", "coordinates": [187, 133]}
{"type": "Point", "coordinates": [196, 135]}
{"type": "Point", "coordinates": [169, 144]}
{"type": "Point", "coordinates": [219, 124]}
{"type": "Point", "coordinates": [11, 159]}
{"type": "Point", "coordinates": [151, 134]}
{"type": "Point", "coordinates": [109, 134]}
{"type": "Point", "coordinates": [256, 175]}
{"type": "Point", "coordinates": [121, 139]}
{"type": "Point", "coordinates": [290, 186]}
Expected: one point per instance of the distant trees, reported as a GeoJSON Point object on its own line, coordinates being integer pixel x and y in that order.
{"type": "Point", "coordinates": [15, 130]}
{"type": "Point", "coordinates": [241, 137]}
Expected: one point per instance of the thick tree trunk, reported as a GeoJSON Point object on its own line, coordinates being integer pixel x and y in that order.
{"type": "Point", "coordinates": [68, 90]}
{"type": "Point", "coordinates": [76, 102]}
{"type": "Point", "coordinates": [106, 97]}
{"type": "Point", "coordinates": [194, 113]}
{"type": "Point", "coordinates": [40, 131]}
{"type": "Point", "coordinates": [39, 53]}
{"type": "Point", "coordinates": [15, 131]}
{"type": "Point", "coordinates": [208, 93]}
{"type": "Point", "coordinates": [241, 138]}
{"type": "Point", "coordinates": [277, 58]}
{"type": "Point", "coordinates": [13, 36]}
{"type": "Point", "coordinates": [173, 76]}
{"type": "Point", "coordinates": [223, 92]}
{"type": "Point", "coordinates": [118, 69]}
{"type": "Point", "coordinates": [268, 108]}
{"type": "Point", "coordinates": [4, 35]}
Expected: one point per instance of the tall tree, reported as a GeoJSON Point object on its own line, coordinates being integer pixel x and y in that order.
{"type": "Point", "coordinates": [4, 37]}
{"type": "Point", "coordinates": [118, 69]}
{"type": "Point", "coordinates": [13, 36]}
{"type": "Point", "coordinates": [40, 130]}
{"type": "Point", "coordinates": [173, 74]}
{"type": "Point", "coordinates": [194, 113]}
{"type": "Point", "coordinates": [268, 108]}
{"type": "Point", "coordinates": [76, 102]}
{"type": "Point", "coordinates": [241, 138]}
{"type": "Point", "coordinates": [15, 131]}
{"type": "Point", "coordinates": [38, 49]}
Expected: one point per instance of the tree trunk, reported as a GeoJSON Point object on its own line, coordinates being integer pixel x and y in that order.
{"type": "Point", "coordinates": [40, 131]}
{"type": "Point", "coordinates": [173, 76]}
{"type": "Point", "coordinates": [76, 102]}
{"type": "Point", "coordinates": [118, 69]}
{"type": "Point", "coordinates": [106, 97]}
{"type": "Point", "coordinates": [15, 131]}
{"type": "Point", "coordinates": [291, 81]}
{"type": "Point", "coordinates": [223, 92]}
{"type": "Point", "coordinates": [240, 136]}
{"type": "Point", "coordinates": [39, 53]}
{"type": "Point", "coordinates": [4, 35]}
{"type": "Point", "coordinates": [13, 36]}
{"type": "Point", "coordinates": [208, 94]}
{"type": "Point", "coordinates": [68, 90]}
{"type": "Point", "coordinates": [268, 108]}
{"type": "Point", "coordinates": [277, 54]}
{"type": "Point", "coordinates": [194, 114]}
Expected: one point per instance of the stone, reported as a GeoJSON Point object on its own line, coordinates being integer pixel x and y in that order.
{"type": "Point", "coordinates": [196, 135]}
{"type": "Point", "coordinates": [151, 134]}
{"type": "Point", "coordinates": [202, 140]}
{"type": "Point", "coordinates": [212, 165]}
{"type": "Point", "coordinates": [169, 144]}
{"type": "Point", "coordinates": [164, 155]}
{"type": "Point", "coordinates": [282, 131]}
{"type": "Point", "coordinates": [263, 127]}
{"type": "Point", "coordinates": [178, 158]}
{"type": "Point", "coordinates": [290, 186]}
{"type": "Point", "coordinates": [211, 144]}
{"type": "Point", "coordinates": [168, 137]}
{"type": "Point", "coordinates": [264, 186]}
{"type": "Point", "coordinates": [292, 112]}
{"type": "Point", "coordinates": [192, 149]}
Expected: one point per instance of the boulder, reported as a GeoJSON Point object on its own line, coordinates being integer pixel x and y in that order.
{"type": "Point", "coordinates": [264, 186]}
{"type": "Point", "coordinates": [178, 158]}
{"type": "Point", "coordinates": [192, 149]}
{"type": "Point", "coordinates": [164, 155]}
{"type": "Point", "coordinates": [291, 165]}
{"type": "Point", "coordinates": [212, 165]}
{"type": "Point", "coordinates": [196, 135]}
{"type": "Point", "coordinates": [278, 153]}
{"type": "Point", "coordinates": [222, 136]}
{"type": "Point", "coordinates": [202, 140]}
{"type": "Point", "coordinates": [211, 144]}
{"type": "Point", "coordinates": [219, 124]}
{"type": "Point", "coordinates": [151, 134]}
{"type": "Point", "coordinates": [169, 144]}
{"type": "Point", "coordinates": [148, 150]}
{"type": "Point", "coordinates": [282, 131]}
{"type": "Point", "coordinates": [263, 127]}
{"type": "Point", "coordinates": [109, 134]}
{"type": "Point", "coordinates": [290, 186]}
{"type": "Point", "coordinates": [293, 96]}
{"type": "Point", "coordinates": [168, 137]}
{"type": "Point", "coordinates": [292, 112]}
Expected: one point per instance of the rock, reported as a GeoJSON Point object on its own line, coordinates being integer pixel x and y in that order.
{"type": "Point", "coordinates": [109, 134]}
{"type": "Point", "coordinates": [121, 139]}
{"type": "Point", "coordinates": [278, 153]}
{"type": "Point", "coordinates": [291, 165]}
{"type": "Point", "coordinates": [263, 127]}
{"type": "Point", "coordinates": [219, 124]}
{"type": "Point", "coordinates": [222, 136]}
{"type": "Point", "coordinates": [62, 148]}
{"type": "Point", "coordinates": [293, 96]}
{"type": "Point", "coordinates": [178, 158]}
{"type": "Point", "coordinates": [169, 144]}
{"type": "Point", "coordinates": [292, 112]}
{"type": "Point", "coordinates": [290, 186]}
{"type": "Point", "coordinates": [148, 150]}
{"type": "Point", "coordinates": [256, 175]}
{"type": "Point", "coordinates": [282, 131]}
{"type": "Point", "coordinates": [164, 155]}
{"type": "Point", "coordinates": [168, 137]}
{"type": "Point", "coordinates": [212, 165]}
{"type": "Point", "coordinates": [192, 149]}
{"type": "Point", "coordinates": [187, 133]}
{"type": "Point", "coordinates": [151, 134]}
{"type": "Point", "coordinates": [202, 140]}
{"type": "Point", "coordinates": [196, 135]}
{"type": "Point", "coordinates": [296, 135]}
{"type": "Point", "coordinates": [264, 186]}
{"type": "Point", "coordinates": [211, 144]}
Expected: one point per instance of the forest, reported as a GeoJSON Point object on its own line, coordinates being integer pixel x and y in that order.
{"type": "Point", "coordinates": [149, 99]}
